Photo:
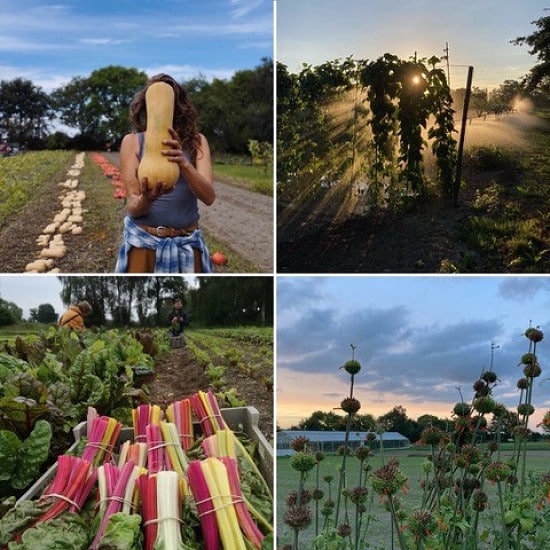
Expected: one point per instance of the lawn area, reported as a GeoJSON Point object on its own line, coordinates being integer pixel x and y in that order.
{"type": "Point", "coordinates": [253, 178]}
{"type": "Point", "coordinates": [380, 532]}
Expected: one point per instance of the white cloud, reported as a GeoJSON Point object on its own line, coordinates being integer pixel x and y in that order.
{"type": "Point", "coordinates": [241, 8]}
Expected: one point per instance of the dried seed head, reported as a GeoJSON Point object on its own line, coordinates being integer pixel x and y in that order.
{"type": "Point", "coordinates": [489, 376]}
{"type": "Point", "coordinates": [298, 517]}
{"type": "Point", "coordinates": [350, 405]}
{"type": "Point", "coordinates": [534, 334]}
{"type": "Point", "coordinates": [532, 371]}
{"type": "Point", "coordinates": [484, 405]}
{"type": "Point", "coordinates": [526, 409]}
{"type": "Point", "coordinates": [522, 383]}
{"type": "Point", "coordinates": [299, 444]}
{"type": "Point", "coordinates": [302, 462]}
{"type": "Point", "coordinates": [528, 358]}
{"type": "Point", "coordinates": [462, 409]}
{"type": "Point", "coordinates": [352, 366]}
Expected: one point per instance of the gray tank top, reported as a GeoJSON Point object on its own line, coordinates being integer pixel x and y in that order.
{"type": "Point", "coordinates": [178, 209]}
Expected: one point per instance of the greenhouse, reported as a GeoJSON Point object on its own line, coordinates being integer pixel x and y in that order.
{"type": "Point", "coordinates": [330, 442]}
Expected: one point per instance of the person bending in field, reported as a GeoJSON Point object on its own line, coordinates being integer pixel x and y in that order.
{"type": "Point", "coordinates": [161, 231]}
{"type": "Point", "coordinates": [73, 318]}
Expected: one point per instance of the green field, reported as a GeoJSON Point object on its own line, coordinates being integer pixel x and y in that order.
{"type": "Point", "coordinates": [380, 532]}
{"type": "Point", "coordinates": [254, 178]}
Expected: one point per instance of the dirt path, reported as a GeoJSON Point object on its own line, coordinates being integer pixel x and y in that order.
{"type": "Point", "coordinates": [178, 375]}
{"type": "Point", "coordinates": [244, 220]}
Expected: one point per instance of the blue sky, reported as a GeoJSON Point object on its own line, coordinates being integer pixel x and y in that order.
{"type": "Point", "coordinates": [49, 42]}
{"type": "Point", "coordinates": [478, 33]}
{"type": "Point", "coordinates": [418, 339]}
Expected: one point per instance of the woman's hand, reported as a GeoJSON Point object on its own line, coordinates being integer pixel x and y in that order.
{"type": "Point", "coordinates": [199, 176]}
{"type": "Point", "coordinates": [175, 152]}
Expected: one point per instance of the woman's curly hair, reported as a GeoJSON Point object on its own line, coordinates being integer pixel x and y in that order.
{"type": "Point", "coordinates": [185, 114]}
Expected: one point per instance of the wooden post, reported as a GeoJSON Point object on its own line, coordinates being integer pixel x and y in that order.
{"type": "Point", "coordinates": [462, 135]}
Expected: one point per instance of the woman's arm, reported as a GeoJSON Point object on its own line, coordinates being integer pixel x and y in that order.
{"type": "Point", "coordinates": [138, 195]}
{"type": "Point", "coordinates": [199, 177]}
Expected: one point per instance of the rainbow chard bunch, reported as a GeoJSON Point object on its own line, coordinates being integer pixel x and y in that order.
{"type": "Point", "coordinates": [117, 493]}
{"type": "Point", "coordinates": [222, 510]}
{"type": "Point", "coordinates": [103, 433]}
{"type": "Point", "coordinates": [161, 498]}
{"type": "Point", "coordinates": [180, 413]}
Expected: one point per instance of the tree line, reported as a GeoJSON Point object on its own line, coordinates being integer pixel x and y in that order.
{"type": "Point", "coordinates": [397, 420]}
{"type": "Point", "coordinates": [230, 112]}
{"type": "Point", "coordinates": [147, 301]}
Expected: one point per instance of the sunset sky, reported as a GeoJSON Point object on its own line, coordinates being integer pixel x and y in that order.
{"type": "Point", "coordinates": [419, 340]}
{"type": "Point", "coordinates": [478, 33]}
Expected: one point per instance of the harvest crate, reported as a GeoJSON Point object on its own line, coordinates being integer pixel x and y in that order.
{"type": "Point", "coordinates": [239, 419]}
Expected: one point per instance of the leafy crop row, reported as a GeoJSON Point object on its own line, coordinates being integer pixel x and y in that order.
{"type": "Point", "coordinates": [47, 382]}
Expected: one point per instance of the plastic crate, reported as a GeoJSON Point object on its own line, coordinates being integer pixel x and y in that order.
{"type": "Point", "coordinates": [239, 419]}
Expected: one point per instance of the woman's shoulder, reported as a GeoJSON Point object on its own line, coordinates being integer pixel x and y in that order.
{"type": "Point", "coordinates": [130, 142]}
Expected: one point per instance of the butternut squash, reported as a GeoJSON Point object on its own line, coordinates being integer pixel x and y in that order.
{"type": "Point", "coordinates": [159, 100]}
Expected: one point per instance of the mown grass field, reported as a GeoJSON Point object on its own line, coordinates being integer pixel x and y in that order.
{"type": "Point", "coordinates": [380, 531]}
{"type": "Point", "coordinates": [253, 178]}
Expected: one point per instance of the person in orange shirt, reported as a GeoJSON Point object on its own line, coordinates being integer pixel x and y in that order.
{"type": "Point", "coordinates": [73, 318]}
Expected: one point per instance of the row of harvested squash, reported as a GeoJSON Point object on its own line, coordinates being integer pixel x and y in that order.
{"type": "Point", "coordinates": [68, 220]}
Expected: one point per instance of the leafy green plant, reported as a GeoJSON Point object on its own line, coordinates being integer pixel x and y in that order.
{"type": "Point", "coordinates": [22, 459]}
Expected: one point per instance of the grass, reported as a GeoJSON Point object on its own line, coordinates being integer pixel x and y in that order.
{"type": "Point", "coordinates": [380, 532]}
{"type": "Point", "coordinates": [510, 225]}
{"type": "Point", "coordinates": [10, 332]}
{"type": "Point", "coordinates": [253, 178]}
{"type": "Point", "coordinates": [23, 175]}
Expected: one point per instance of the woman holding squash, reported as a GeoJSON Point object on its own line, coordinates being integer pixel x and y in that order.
{"type": "Point", "coordinates": [166, 168]}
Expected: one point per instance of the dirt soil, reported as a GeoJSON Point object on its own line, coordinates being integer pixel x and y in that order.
{"type": "Point", "coordinates": [241, 218]}
{"type": "Point", "coordinates": [317, 238]}
{"type": "Point", "coordinates": [178, 376]}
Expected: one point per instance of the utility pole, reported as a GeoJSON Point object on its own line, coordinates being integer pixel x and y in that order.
{"type": "Point", "coordinates": [493, 348]}
{"type": "Point", "coordinates": [446, 57]}
{"type": "Point", "coordinates": [462, 135]}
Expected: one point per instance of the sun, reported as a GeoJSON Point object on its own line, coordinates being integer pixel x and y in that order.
{"type": "Point", "coordinates": [416, 79]}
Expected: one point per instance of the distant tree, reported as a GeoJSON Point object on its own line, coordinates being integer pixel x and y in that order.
{"type": "Point", "coordinates": [231, 112]}
{"type": "Point", "coordinates": [44, 313]}
{"type": "Point", "coordinates": [98, 105]}
{"type": "Point", "coordinates": [24, 109]}
{"type": "Point", "coordinates": [10, 313]}
{"type": "Point", "coordinates": [539, 42]}
{"type": "Point", "coordinates": [397, 420]}
{"type": "Point", "coordinates": [430, 420]}
{"type": "Point", "coordinates": [479, 101]}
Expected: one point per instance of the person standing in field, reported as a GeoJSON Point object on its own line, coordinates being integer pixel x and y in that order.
{"type": "Point", "coordinates": [178, 319]}
{"type": "Point", "coordinates": [161, 231]}
{"type": "Point", "coordinates": [73, 318]}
